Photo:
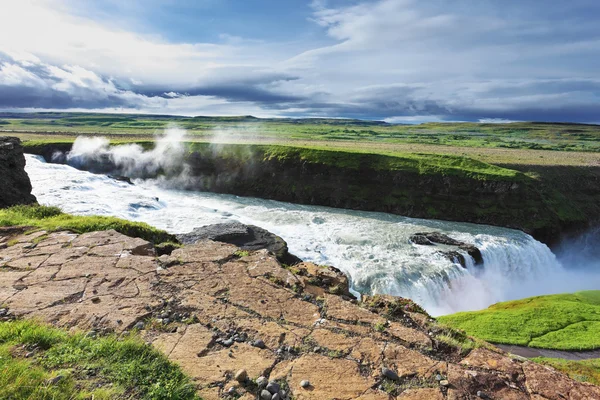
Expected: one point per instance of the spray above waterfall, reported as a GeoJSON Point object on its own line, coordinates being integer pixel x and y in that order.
{"type": "Point", "coordinates": [131, 160]}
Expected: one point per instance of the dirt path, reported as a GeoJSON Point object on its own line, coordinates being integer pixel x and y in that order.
{"type": "Point", "coordinates": [530, 352]}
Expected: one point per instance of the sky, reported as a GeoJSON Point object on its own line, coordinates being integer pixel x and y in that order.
{"type": "Point", "coordinates": [401, 61]}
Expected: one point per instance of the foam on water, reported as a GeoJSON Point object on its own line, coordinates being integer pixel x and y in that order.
{"type": "Point", "coordinates": [372, 248]}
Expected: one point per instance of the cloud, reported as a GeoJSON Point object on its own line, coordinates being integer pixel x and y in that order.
{"type": "Point", "coordinates": [400, 60]}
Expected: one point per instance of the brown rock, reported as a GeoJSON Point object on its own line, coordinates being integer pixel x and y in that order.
{"type": "Point", "coordinates": [100, 281]}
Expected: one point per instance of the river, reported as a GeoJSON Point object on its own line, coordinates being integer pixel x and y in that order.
{"type": "Point", "coordinates": [372, 248]}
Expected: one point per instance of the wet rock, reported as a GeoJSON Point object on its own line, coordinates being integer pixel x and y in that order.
{"type": "Point", "coordinates": [473, 251]}
{"type": "Point", "coordinates": [455, 257]}
{"type": "Point", "coordinates": [431, 238]}
{"type": "Point", "coordinates": [420, 239]}
{"type": "Point", "coordinates": [437, 237]}
{"type": "Point", "coordinates": [246, 237]}
{"type": "Point", "coordinates": [121, 178]}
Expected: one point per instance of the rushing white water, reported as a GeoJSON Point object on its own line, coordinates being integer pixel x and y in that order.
{"type": "Point", "coordinates": [372, 248]}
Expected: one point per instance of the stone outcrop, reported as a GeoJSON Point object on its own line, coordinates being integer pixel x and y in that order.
{"type": "Point", "coordinates": [433, 238]}
{"type": "Point", "coordinates": [229, 319]}
{"type": "Point", "coordinates": [14, 181]}
{"type": "Point", "coordinates": [246, 237]}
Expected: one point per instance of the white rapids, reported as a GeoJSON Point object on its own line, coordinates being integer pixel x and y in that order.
{"type": "Point", "coordinates": [372, 248]}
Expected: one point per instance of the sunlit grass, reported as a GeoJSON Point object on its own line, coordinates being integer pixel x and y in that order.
{"type": "Point", "coordinates": [53, 219]}
{"type": "Point", "coordinates": [38, 362]}
{"type": "Point", "coordinates": [563, 322]}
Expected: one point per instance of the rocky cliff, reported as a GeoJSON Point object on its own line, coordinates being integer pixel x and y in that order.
{"type": "Point", "coordinates": [243, 326]}
{"type": "Point", "coordinates": [15, 186]}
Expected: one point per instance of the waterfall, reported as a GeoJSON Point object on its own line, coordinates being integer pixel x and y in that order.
{"type": "Point", "coordinates": [373, 249]}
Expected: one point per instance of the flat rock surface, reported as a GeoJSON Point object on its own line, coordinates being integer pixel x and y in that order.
{"type": "Point", "coordinates": [216, 311]}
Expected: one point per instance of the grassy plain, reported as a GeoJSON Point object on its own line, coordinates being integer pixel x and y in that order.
{"type": "Point", "coordinates": [38, 362]}
{"type": "Point", "coordinates": [561, 322]}
{"type": "Point", "coordinates": [521, 135]}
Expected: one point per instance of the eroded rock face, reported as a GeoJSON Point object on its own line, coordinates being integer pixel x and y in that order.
{"type": "Point", "coordinates": [14, 181]}
{"type": "Point", "coordinates": [216, 312]}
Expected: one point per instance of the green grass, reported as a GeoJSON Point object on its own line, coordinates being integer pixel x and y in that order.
{"type": "Point", "coordinates": [99, 368]}
{"type": "Point", "coordinates": [53, 219]}
{"type": "Point", "coordinates": [562, 322]}
{"type": "Point", "coordinates": [583, 371]}
{"type": "Point", "coordinates": [518, 135]}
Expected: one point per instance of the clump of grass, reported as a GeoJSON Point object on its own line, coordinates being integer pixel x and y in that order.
{"type": "Point", "coordinates": [53, 219]}
{"type": "Point", "coordinates": [380, 326]}
{"type": "Point", "coordinates": [242, 253]}
{"type": "Point", "coordinates": [73, 366]}
{"type": "Point", "coordinates": [562, 322]}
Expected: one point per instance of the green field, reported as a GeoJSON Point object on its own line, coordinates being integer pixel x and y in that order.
{"type": "Point", "coordinates": [561, 322]}
{"type": "Point", "coordinates": [38, 362]}
{"type": "Point", "coordinates": [53, 219]}
{"type": "Point", "coordinates": [521, 135]}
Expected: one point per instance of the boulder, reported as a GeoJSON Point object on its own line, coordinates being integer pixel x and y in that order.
{"type": "Point", "coordinates": [14, 181]}
{"type": "Point", "coordinates": [437, 237]}
{"type": "Point", "coordinates": [433, 238]}
{"type": "Point", "coordinates": [246, 237]}
{"type": "Point", "coordinates": [317, 279]}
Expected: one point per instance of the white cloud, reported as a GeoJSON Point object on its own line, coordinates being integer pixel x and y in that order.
{"type": "Point", "coordinates": [395, 59]}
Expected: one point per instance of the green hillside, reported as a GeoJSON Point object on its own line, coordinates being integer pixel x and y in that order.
{"type": "Point", "coordinates": [562, 322]}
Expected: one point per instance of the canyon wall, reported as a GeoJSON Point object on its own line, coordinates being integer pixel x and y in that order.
{"type": "Point", "coordinates": [15, 186]}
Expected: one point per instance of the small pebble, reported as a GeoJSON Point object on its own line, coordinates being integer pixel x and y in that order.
{"type": "Point", "coordinates": [317, 349]}
{"type": "Point", "coordinates": [276, 396]}
{"type": "Point", "coordinates": [228, 342]}
{"type": "Point", "coordinates": [438, 377]}
{"type": "Point", "coordinates": [444, 383]}
{"type": "Point", "coordinates": [273, 387]}
{"type": "Point", "coordinates": [265, 395]}
{"type": "Point", "coordinates": [231, 391]}
{"type": "Point", "coordinates": [388, 373]}
{"type": "Point", "coordinates": [139, 326]}
{"type": "Point", "coordinates": [241, 376]}
{"type": "Point", "coordinates": [261, 382]}
{"type": "Point", "coordinates": [259, 343]}
{"type": "Point", "coordinates": [304, 384]}
{"type": "Point", "coordinates": [55, 380]}
{"type": "Point", "coordinates": [30, 354]}
{"type": "Point", "coordinates": [166, 321]}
